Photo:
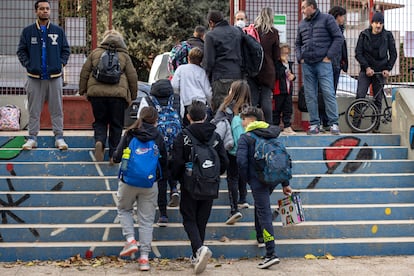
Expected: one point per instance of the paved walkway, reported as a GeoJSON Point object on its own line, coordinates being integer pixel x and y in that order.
{"type": "Point", "coordinates": [389, 266]}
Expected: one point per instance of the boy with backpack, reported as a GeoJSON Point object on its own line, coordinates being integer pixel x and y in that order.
{"type": "Point", "coordinates": [144, 161]}
{"type": "Point", "coordinates": [199, 158]}
{"type": "Point", "coordinates": [167, 104]}
{"type": "Point", "coordinates": [256, 174]}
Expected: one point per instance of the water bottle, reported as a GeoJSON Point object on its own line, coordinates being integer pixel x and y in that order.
{"type": "Point", "coordinates": [189, 168]}
{"type": "Point", "coordinates": [125, 157]}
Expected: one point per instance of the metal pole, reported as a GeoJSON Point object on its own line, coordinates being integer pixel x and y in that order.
{"type": "Point", "coordinates": [94, 27]}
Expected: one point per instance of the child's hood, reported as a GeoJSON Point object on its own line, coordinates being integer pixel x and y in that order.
{"type": "Point", "coordinates": [263, 129]}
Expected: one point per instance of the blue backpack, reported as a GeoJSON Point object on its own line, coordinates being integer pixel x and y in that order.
{"type": "Point", "coordinates": [142, 165]}
{"type": "Point", "coordinates": [273, 163]}
{"type": "Point", "coordinates": [169, 122]}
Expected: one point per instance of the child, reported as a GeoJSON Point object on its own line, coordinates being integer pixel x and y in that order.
{"type": "Point", "coordinates": [161, 91]}
{"type": "Point", "coordinates": [282, 93]}
{"type": "Point", "coordinates": [253, 122]}
{"type": "Point", "coordinates": [144, 129]}
{"type": "Point", "coordinates": [196, 209]}
{"type": "Point", "coordinates": [229, 127]}
{"type": "Point", "coordinates": [192, 82]}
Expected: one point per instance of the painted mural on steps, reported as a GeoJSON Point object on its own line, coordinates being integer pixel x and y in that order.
{"type": "Point", "coordinates": [333, 155]}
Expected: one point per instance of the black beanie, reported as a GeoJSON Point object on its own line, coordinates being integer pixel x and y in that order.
{"type": "Point", "coordinates": [162, 88]}
{"type": "Point", "coordinates": [378, 17]}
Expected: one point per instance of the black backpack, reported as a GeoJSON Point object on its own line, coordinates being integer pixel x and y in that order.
{"type": "Point", "coordinates": [204, 180]}
{"type": "Point", "coordinates": [108, 69]}
{"type": "Point", "coordinates": [252, 55]}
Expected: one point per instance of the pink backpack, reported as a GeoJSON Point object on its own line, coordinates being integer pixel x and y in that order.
{"type": "Point", "coordinates": [251, 30]}
{"type": "Point", "coordinates": [9, 117]}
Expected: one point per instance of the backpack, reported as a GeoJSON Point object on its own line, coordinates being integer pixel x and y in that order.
{"type": "Point", "coordinates": [251, 30]}
{"type": "Point", "coordinates": [204, 180]}
{"type": "Point", "coordinates": [108, 69]}
{"type": "Point", "coordinates": [142, 165]}
{"type": "Point", "coordinates": [252, 55]}
{"type": "Point", "coordinates": [178, 55]}
{"type": "Point", "coordinates": [169, 123]}
{"type": "Point", "coordinates": [273, 163]}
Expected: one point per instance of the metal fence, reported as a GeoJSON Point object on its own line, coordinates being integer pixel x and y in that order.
{"type": "Point", "coordinates": [397, 19]}
{"type": "Point", "coordinates": [80, 19]}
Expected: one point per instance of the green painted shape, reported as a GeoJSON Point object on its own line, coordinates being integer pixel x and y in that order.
{"type": "Point", "coordinates": [15, 144]}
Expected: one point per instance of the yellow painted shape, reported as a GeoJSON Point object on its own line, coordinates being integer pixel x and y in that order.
{"type": "Point", "coordinates": [388, 211]}
{"type": "Point", "coordinates": [374, 229]}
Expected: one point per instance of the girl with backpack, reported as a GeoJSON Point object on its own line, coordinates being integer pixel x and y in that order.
{"type": "Point", "coordinates": [145, 130]}
{"type": "Point", "coordinates": [228, 126]}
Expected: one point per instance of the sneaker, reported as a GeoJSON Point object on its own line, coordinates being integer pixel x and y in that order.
{"type": "Point", "coordinates": [313, 130]}
{"type": "Point", "coordinates": [203, 255]}
{"type": "Point", "coordinates": [288, 131]}
{"type": "Point", "coordinates": [175, 198]}
{"type": "Point", "coordinates": [61, 144]}
{"type": "Point", "coordinates": [143, 264]}
{"type": "Point", "coordinates": [243, 205]}
{"type": "Point", "coordinates": [234, 218]}
{"type": "Point", "coordinates": [335, 130]}
{"type": "Point", "coordinates": [268, 262]}
{"type": "Point", "coordinates": [260, 243]}
{"type": "Point", "coordinates": [99, 151]}
{"type": "Point", "coordinates": [193, 261]}
{"type": "Point", "coordinates": [129, 248]}
{"type": "Point", "coordinates": [30, 144]}
{"type": "Point", "coordinates": [162, 221]}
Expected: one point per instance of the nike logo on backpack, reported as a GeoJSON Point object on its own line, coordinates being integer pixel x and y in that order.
{"type": "Point", "coordinates": [207, 164]}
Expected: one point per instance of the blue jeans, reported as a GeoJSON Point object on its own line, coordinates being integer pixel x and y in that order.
{"type": "Point", "coordinates": [314, 74]}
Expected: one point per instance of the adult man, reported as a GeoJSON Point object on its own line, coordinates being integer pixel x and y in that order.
{"type": "Point", "coordinates": [240, 19]}
{"type": "Point", "coordinates": [197, 40]}
{"type": "Point", "coordinates": [318, 42]}
{"type": "Point", "coordinates": [43, 50]}
{"type": "Point", "coordinates": [222, 56]}
{"type": "Point", "coordinates": [375, 52]}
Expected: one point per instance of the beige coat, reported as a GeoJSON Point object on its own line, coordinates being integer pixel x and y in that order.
{"type": "Point", "coordinates": [128, 85]}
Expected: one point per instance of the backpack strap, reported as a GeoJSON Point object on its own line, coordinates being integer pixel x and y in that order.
{"type": "Point", "coordinates": [155, 102]}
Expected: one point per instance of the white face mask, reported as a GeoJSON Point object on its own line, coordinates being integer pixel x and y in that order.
{"type": "Point", "coordinates": [240, 24]}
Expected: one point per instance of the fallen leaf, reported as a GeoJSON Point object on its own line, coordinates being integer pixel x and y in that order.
{"type": "Point", "coordinates": [310, 257]}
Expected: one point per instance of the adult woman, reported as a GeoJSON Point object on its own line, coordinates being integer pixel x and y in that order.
{"type": "Point", "coordinates": [262, 85]}
{"type": "Point", "coordinates": [109, 101]}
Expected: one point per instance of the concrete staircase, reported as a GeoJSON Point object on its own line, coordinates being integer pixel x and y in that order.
{"type": "Point", "coordinates": [357, 192]}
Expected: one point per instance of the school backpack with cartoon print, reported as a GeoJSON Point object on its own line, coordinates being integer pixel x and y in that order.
{"type": "Point", "coordinates": [204, 179]}
{"type": "Point", "coordinates": [273, 163]}
{"type": "Point", "coordinates": [143, 164]}
{"type": "Point", "coordinates": [178, 56]}
{"type": "Point", "coordinates": [169, 122]}
{"type": "Point", "coordinates": [108, 69]}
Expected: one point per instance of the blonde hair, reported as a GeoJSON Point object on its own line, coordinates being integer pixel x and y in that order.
{"type": "Point", "coordinates": [265, 20]}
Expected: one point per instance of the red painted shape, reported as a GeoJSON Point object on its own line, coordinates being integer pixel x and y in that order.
{"type": "Point", "coordinates": [9, 167]}
{"type": "Point", "coordinates": [339, 154]}
{"type": "Point", "coordinates": [89, 254]}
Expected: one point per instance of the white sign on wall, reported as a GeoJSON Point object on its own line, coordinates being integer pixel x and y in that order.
{"type": "Point", "coordinates": [279, 22]}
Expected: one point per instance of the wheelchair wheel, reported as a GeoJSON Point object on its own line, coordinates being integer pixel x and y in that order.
{"type": "Point", "coordinates": [362, 116]}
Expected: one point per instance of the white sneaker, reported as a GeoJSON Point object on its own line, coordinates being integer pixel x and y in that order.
{"type": "Point", "coordinates": [289, 131]}
{"type": "Point", "coordinates": [61, 144]}
{"type": "Point", "coordinates": [30, 144]}
{"type": "Point", "coordinates": [234, 218]}
{"type": "Point", "coordinates": [203, 256]}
